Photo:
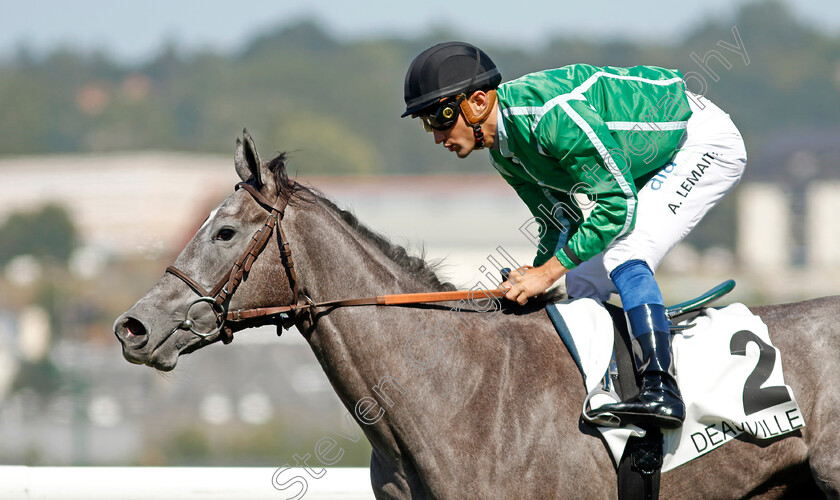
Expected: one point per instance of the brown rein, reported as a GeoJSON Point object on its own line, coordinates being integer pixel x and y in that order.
{"type": "Point", "coordinates": [227, 285]}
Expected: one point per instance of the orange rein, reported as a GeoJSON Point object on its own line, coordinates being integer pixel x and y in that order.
{"type": "Point", "coordinates": [380, 300]}
{"type": "Point", "coordinates": [418, 298]}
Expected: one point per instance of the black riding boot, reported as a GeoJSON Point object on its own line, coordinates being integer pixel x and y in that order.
{"type": "Point", "coordinates": [659, 404]}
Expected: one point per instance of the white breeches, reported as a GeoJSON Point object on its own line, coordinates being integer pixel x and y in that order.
{"type": "Point", "coordinates": [708, 165]}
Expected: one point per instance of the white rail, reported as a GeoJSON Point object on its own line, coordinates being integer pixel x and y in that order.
{"type": "Point", "coordinates": [180, 483]}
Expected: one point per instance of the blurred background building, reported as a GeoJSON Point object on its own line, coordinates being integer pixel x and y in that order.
{"type": "Point", "coordinates": [109, 162]}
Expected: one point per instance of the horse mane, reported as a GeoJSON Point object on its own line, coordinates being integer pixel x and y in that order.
{"type": "Point", "coordinates": [417, 266]}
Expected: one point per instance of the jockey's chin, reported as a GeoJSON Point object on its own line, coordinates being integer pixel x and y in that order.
{"type": "Point", "coordinates": [459, 139]}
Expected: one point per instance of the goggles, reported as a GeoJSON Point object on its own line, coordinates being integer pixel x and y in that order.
{"type": "Point", "coordinates": [445, 116]}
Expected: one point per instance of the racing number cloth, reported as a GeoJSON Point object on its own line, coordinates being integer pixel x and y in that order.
{"type": "Point", "coordinates": [729, 373]}
{"type": "Point", "coordinates": [732, 382]}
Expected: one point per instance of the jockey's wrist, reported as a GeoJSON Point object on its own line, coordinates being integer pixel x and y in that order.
{"type": "Point", "coordinates": [554, 268]}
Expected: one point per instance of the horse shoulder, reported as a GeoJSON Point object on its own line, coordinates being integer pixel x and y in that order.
{"type": "Point", "coordinates": [528, 411]}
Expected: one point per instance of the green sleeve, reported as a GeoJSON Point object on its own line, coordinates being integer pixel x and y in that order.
{"type": "Point", "coordinates": [598, 167]}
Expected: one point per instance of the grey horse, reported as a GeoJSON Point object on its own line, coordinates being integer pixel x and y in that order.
{"type": "Point", "coordinates": [458, 400]}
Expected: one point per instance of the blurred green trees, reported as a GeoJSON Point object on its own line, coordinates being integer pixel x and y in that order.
{"type": "Point", "coordinates": [47, 233]}
{"type": "Point", "coordinates": [335, 105]}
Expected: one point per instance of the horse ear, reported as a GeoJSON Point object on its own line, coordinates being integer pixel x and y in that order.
{"type": "Point", "coordinates": [247, 160]}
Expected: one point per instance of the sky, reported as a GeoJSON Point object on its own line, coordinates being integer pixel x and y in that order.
{"type": "Point", "coordinates": [133, 31]}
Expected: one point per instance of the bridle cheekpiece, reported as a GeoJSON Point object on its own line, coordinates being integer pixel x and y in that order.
{"type": "Point", "coordinates": [219, 296]}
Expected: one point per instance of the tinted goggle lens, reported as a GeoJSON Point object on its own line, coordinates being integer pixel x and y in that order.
{"type": "Point", "coordinates": [444, 117]}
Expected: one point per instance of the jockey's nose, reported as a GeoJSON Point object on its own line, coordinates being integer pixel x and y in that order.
{"type": "Point", "coordinates": [440, 136]}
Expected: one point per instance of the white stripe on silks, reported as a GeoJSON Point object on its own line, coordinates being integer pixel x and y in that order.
{"type": "Point", "coordinates": [609, 163]}
{"type": "Point", "coordinates": [583, 87]}
{"type": "Point", "coordinates": [646, 126]}
{"type": "Point", "coordinates": [521, 110]}
{"type": "Point", "coordinates": [501, 132]}
{"type": "Point", "coordinates": [577, 94]}
{"type": "Point", "coordinates": [547, 192]}
{"type": "Point", "coordinates": [560, 99]}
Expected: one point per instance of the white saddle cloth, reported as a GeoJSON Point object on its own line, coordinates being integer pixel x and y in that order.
{"type": "Point", "coordinates": [729, 374]}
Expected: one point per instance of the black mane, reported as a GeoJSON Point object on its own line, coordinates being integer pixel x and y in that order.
{"type": "Point", "coordinates": [417, 266]}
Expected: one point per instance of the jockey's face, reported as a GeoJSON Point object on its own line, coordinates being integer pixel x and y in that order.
{"type": "Point", "coordinates": [460, 138]}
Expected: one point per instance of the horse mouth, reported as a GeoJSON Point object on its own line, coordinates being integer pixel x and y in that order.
{"type": "Point", "coordinates": [163, 363]}
{"type": "Point", "coordinates": [160, 359]}
{"type": "Point", "coordinates": [192, 347]}
{"type": "Point", "coordinates": [163, 355]}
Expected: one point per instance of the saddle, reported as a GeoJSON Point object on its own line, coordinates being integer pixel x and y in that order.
{"type": "Point", "coordinates": [621, 383]}
{"type": "Point", "coordinates": [639, 468]}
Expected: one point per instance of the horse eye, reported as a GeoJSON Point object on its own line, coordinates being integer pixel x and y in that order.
{"type": "Point", "coordinates": [225, 234]}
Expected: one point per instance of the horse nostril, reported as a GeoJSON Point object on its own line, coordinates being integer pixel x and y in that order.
{"type": "Point", "coordinates": [134, 327]}
{"type": "Point", "coordinates": [131, 332]}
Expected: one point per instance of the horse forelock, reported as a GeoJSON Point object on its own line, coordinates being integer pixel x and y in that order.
{"type": "Point", "coordinates": [277, 167]}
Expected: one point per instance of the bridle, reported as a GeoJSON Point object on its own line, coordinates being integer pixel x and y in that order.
{"type": "Point", "coordinates": [219, 296]}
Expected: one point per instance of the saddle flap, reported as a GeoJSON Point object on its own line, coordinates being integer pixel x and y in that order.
{"type": "Point", "coordinates": [587, 332]}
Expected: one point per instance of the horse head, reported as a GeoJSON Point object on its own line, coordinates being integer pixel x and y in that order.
{"type": "Point", "coordinates": [217, 272]}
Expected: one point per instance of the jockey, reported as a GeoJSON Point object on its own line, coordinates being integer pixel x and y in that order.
{"type": "Point", "coordinates": [630, 147]}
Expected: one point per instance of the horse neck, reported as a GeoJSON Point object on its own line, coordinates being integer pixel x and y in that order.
{"type": "Point", "coordinates": [357, 346]}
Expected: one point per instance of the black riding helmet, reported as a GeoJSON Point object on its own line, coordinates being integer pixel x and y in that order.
{"type": "Point", "coordinates": [447, 69]}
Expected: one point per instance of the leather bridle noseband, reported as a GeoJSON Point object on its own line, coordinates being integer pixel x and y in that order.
{"type": "Point", "coordinates": [219, 296]}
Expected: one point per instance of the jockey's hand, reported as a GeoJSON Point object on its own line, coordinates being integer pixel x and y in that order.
{"type": "Point", "coordinates": [528, 281]}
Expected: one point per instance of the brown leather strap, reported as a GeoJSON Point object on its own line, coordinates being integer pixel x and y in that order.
{"type": "Point", "coordinates": [381, 300]}
{"type": "Point", "coordinates": [279, 204]}
{"type": "Point", "coordinates": [288, 262]}
{"type": "Point", "coordinates": [259, 312]}
{"type": "Point", "coordinates": [189, 281]}
{"type": "Point", "coordinates": [246, 260]}
{"type": "Point", "coordinates": [364, 301]}
{"type": "Point", "coordinates": [472, 118]}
